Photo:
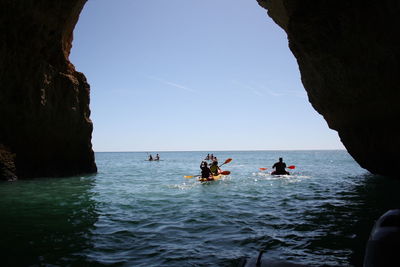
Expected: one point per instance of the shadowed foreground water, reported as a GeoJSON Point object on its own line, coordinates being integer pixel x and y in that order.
{"type": "Point", "coordinates": [140, 213]}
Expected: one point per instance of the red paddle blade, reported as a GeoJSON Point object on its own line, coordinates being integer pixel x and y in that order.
{"type": "Point", "coordinates": [227, 161]}
{"type": "Point", "coordinates": [291, 167]}
{"type": "Point", "coordinates": [225, 172]}
{"type": "Point", "coordinates": [263, 169]}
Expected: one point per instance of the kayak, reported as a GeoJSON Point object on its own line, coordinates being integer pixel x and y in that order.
{"type": "Point", "coordinates": [280, 173]}
{"type": "Point", "coordinates": [215, 178]}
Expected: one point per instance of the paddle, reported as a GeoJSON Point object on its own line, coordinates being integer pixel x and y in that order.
{"type": "Point", "coordinates": [191, 176]}
{"type": "Point", "coordinates": [226, 161]}
{"type": "Point", "coordinates": [290, 167]}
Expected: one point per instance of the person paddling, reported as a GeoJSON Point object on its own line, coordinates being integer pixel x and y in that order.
{"type": "Point", "coordinates": [280, 168]}
{"type": "Point", "coordinates": [214, 168]}
{"type": "Point", "coordinates": [215, 160]}
{"type": "Point", "coordinates": [205, 171]}
{"type": "Point", "coordinates": [150, 157]}
{"type": "Point", "coordinates": [157, 157]}
{"type": "Point", "coordinates": [208, 157]}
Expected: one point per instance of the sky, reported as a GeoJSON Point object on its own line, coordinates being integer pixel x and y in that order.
{"type": "Point", "coordinates": [182, 75]}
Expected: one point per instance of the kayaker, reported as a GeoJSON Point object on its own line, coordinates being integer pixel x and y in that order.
{"type": "Point", "coordinates": [214, 168]}
{"type": "Point", "coordinates": [211, 157]}
{"type": "Point", "coordinates": [205, 171]}
{"type": "Point", "coordinates": [208, 157]}
{"type": "Point", "coordinates": [215, 160]}
{"type": "Point", "coordinates": [150, 158]}
{"type": "Point", "coordinates": [280, 168]}
{"type": "Point", "coordinates": [157, 157]}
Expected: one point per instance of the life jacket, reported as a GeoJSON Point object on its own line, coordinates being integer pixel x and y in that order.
{"type": "Point", "coordinates": [214, 169]}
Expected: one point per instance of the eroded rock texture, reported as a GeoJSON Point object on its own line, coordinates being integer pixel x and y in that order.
{"type": "Point", "coordinates": [349, 57]}
{"type": "Point", "coordinates": [45, 128]}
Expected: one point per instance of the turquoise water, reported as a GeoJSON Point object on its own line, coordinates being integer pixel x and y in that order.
{"type": "Point", "coordinates": [140, 213]}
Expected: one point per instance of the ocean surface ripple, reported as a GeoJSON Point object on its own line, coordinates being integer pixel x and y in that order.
{"type": "Point", "coordinates": [140, 213]}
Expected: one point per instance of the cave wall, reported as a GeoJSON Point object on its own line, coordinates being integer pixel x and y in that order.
{"type": "Point", "coordinates": [45, 129]}
{"type": "Point", "coordinates": [347, 51]}
{"type": "Point", "coordinates": [348, 55]}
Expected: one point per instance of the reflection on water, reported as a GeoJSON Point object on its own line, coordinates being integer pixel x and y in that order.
{"type": "Point", "coordinates": [46, 221]}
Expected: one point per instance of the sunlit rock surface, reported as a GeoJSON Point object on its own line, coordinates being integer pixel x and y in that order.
{"type": "Point", "coordinates": [349, 54]}
{"type": "Point", "coordinates": [45, 128]}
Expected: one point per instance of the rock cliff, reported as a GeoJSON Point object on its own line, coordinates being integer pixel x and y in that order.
{"type": "Point", "coordinates": [347, 51]}
{"type": "Point", "coordinates": [348, 54]}
{"type": "Point", "coordinates": [45, 128]}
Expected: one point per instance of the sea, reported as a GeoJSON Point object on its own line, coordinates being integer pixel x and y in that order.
{"type": "Point", "coordinates": [135, 212]}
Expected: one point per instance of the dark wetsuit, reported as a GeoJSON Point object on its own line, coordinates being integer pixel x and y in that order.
{"type": "Point", "coordinates": [205, 172]}
{"type": "Point", "coordinates": [279, 168]}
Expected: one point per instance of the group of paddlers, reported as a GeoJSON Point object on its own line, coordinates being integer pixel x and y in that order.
{"type": "Point", "coordinates": [157, 157]}
{"type": "Point", "coordinates": [208, 170]}
{"type": "Point", "coordinates": [212, 169]}
{"type": "Point", "coordinates": [210, 157]}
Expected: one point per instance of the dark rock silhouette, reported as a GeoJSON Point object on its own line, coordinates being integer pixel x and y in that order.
{"type": "Point", "coordinates": [45, 128]}
{"type": "Point", "coordinates": [348, 54]}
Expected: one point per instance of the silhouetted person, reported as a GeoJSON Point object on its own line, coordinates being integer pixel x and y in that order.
{"type": "Point", "coordinates": [150, 158]}
{"type": "Point", "coordinates": [215, 160]}
{"type": "Point", "coordinates": [157, 157]}
{"type": "Point", "coordinates": [280, 168]}
{"type": "Point", "coordinates": [205, 171]}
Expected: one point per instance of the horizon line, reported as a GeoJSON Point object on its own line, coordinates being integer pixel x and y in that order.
{"type": "Point", "coordinates": [245, 150]}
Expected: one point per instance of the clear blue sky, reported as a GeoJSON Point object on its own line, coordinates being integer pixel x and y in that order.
{"type": "Point", "coordinates": [193, 75]}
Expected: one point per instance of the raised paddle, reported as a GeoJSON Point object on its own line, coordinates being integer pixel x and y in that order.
{"type": "Point", "coordinates": [226, 161]}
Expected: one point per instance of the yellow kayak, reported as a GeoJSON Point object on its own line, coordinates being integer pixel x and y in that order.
{"type": "Point", "coordinates": [215, 178]}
